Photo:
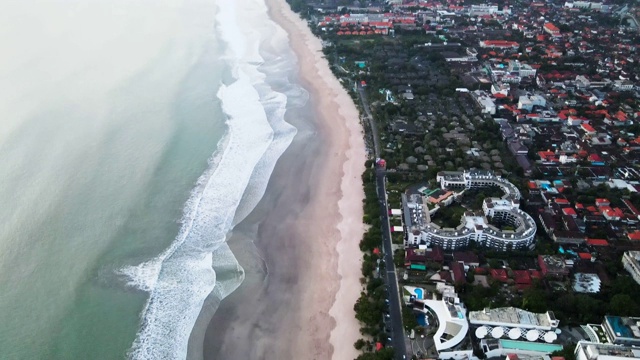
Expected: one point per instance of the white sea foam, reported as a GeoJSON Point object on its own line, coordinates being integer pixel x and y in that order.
{"type": "Point", "coordinates": [179, 280]}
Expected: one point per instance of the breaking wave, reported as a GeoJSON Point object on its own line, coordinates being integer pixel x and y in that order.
{"type": "Point", "coordinates": [180, 279]}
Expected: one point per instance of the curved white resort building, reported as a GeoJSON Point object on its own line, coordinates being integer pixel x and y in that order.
{"type": "Point", "coordinates": [518, 230]}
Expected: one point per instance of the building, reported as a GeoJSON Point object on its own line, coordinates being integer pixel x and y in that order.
{"type": "Point", "coordinates": [529, 101]}
{"type": "Point", "coordinates": [479, 10]}
{"type": "Point", "coordinates": [631, 263]}
{"type": "Point", "coordinates": [553, 266]}
{"type": "Point", "coordinates": [446, 306]}
{"type": "Point", "coordinates": [520, 69]}
{"type": "Point", "coordinates": [499, 44]}
{"type": "Point", "coordinates": [593, 351]}
{"type": "Point", "coordinates": [511, 317]}
{"type": "Point", "coordinates": [519, 228]}
{"type": "Point", "coordinates": [622, 330]}
{"type": "Point", "coordinates": [486, 104]}
{"type": "Point", "coordinates": [586, 283]}
{"type": "Point", "coordinates": [551, 29]}
{"type": "Point", "coordinates": [441, 197]}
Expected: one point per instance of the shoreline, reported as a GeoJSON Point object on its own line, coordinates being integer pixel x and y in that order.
{"type": "Point", "coordinates": [307, 46]}
{"type": "Point", "coordinates": [300, 245]}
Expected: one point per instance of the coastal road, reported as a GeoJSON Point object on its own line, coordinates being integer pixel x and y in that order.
{"type": "Point", "coordinates": [372, 124]}
{"type": "Point", "coordinates": [395, 304]}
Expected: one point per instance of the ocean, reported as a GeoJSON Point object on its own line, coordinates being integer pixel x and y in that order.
{"type": "Point", "coordinates": [135, 136]}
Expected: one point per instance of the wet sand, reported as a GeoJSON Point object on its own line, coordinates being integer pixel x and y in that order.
{"type": "Point", "coordinates": [299, 247]}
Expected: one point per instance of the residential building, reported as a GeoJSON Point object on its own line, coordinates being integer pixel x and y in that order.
{"type": "Point", "coordinates": [622, 330]}
{"type": "Point", "coordinates": [486, 104]}
{"type": "Point", "coordinates": [511, 317]}
{"type": "Point", "coordinates": [552, 265]}
{"type": "Point", "coordinates": [631, 263]}
{"type": "Point", "coordinates": [551, 29]}
{"type": "Point", "coordinates": [593, 351]}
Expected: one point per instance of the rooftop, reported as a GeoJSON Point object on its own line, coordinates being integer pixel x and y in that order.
{"type": "Point", "coordinates": [514, 317]}
{"type": "Point", "coordinates": [614, 351]}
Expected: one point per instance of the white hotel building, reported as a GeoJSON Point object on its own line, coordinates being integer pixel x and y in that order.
{"type": "Point", "coordinates": [594, 351]}
{"type": "Point", "coordinates": [631, 262]}
{"type": "Point", "coordinates": [421, 232]}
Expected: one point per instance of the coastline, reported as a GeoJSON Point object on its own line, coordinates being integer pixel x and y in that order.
{"type": "Point", "coordinates": [300, 246]}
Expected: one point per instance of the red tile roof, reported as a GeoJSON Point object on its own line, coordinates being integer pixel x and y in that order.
{"type": "Point", "coordinates": [634, 235]}
{"type": "Point", "coordinates": [584, 256]}
{"type": "Point", "coordinates": [499, 274]}
{"type": "Point", "coordinates": [597, 242]}
{"type": "Point", "coordinates": [522, 277]}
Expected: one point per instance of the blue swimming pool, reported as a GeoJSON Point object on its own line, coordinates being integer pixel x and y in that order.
{"type": "Point", "coordinates": [530, 346]}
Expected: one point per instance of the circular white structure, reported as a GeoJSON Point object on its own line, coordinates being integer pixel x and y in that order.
{"type": "Point", "coordinates": [550, 337]}
{"type": "Point", "coordinates": [481, 332]}
{"type": "Point", "coordinates": [532, 335]}
{"type": "Point", "coordinates": [514, 334]}
{"type": "Point", "coordinates": [497, 332]}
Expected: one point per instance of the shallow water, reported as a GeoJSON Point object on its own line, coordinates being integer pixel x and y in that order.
{"type": "Point", "coordinates": [131, 134]}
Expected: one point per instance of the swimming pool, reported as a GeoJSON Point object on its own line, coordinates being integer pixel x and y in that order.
{"type": "Point", "coordinates": [530, 346]}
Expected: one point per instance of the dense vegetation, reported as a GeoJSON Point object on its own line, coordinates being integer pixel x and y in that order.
{"type": "Point", "coordinates": [371, 305]}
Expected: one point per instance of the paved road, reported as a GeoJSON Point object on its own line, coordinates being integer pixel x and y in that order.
{"type": "Point", "coordinates": [372, 124]}
{"type": "Point", "coordinates": [395, 304]}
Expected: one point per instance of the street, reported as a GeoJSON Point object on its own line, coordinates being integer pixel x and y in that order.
{"type": "Point", "coordinates": [391, 279]}
{"type": "Point", "coordinates": [395, 304]}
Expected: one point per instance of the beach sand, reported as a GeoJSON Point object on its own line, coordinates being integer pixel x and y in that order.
{"type": "Point", "coordinates": [299, 247]}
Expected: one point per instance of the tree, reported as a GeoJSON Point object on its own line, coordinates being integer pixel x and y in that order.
{"type": "Point", "coordinates": [359, 344]}
{"type": "Point", "coordinates": [622, 305]}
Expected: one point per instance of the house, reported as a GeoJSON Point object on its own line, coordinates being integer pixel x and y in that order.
{"type": "Point", "coordinates": [551, 29]}
{"type": "Point", "coordinates": [552, 265]}
{"type": "Point", "coordinates": [499, 44]}
{"type": "Point", "coordinates": [499, 275]}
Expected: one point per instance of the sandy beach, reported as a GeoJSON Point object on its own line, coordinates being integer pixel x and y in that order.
{"type": "Point", "coordinates": [299, 247]}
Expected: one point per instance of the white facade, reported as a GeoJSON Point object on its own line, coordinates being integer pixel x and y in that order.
{"type": "Point", "coordinates": [420, 231]}
{"type": "Point", "coordinates": [528, 102]}
{"type": "Point", "coordinates": [511, 317]}
{"type": "Point", "coordinates": [631, 262]}
{"type": "Point", "coordinates": [594, 351]}
{"type": "Point", "coordinates": [487, 106]}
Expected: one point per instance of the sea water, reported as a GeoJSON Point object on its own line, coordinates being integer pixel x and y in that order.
{"type": "Point", "coordinates": [135, 135]}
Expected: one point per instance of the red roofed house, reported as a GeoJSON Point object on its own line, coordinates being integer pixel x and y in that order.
{"type": "Point", "coordinates": [588, 129]}
{"type": "Point", "coordinates": [502, 44]}
{"type": "Point", "coordinates": [499, 275]}
{"type": "Point", "coordinates": [458, 272]}
{"type": "Point", "coordinates": [522, 277]}
{"type": "Point", "coordinates": [551, 29]}
{"type": "Point", "coordinates": [597, 242]}
{"type": "Point", "coordinates": [634, 235]}
{"type": "Point", "coordinates": [602, 202]}
{"type": "Point", "coordinates": [584, 256]}
{"type": "Point", "coordinates": [570, 211]}
{"type": "Point", "coordinates": [535, 274]}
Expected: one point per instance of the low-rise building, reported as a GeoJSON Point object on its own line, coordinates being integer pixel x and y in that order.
{"type": "Point", "coordinates": [552, 265]}
{"type": "Point", "coordinates": [631, 263]}
{"type": "Point", "coordinates": [593, 351]}
{"type": "Point", "coordinates": [622, 330]}
{"type": "Point", "coordinates": [511, 317]}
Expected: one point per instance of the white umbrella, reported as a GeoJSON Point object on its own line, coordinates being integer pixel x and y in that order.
{"type": "Point", "coordinates": [481, 332]}
{"type": "Point", "coordinates": [497, 332]}
{"type": "Point", "coordinates": [532, 335]}
{"type": "Point", "coordinates": [550, 337]}
{"type": "Point", "coordinates": [514, 334]}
